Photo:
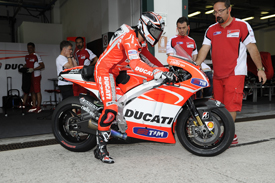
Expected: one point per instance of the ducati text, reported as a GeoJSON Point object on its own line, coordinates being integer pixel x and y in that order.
{"type": "Point", "coordinates": [147, 117]}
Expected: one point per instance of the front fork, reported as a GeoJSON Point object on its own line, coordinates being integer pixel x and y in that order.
{"type": "Point", "coordinates": [198, 122]}
{"type": "Point", "coordinates": [194, 112]}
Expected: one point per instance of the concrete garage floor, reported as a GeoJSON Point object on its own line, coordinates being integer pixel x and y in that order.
{"type": "Point", "coordinates": [251, 161]}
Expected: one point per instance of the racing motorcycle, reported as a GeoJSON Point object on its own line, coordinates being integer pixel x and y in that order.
{"type": "Point", "coordinates": [153, 110]}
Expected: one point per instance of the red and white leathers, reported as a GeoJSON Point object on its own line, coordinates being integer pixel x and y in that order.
{"type": "Point", "coordinates": [186, 42]}
{"type": "Point", "coordinates": [124, 49]}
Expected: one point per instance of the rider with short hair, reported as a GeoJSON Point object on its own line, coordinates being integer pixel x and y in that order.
{"type": "Point", "coordinates": [126, 48]}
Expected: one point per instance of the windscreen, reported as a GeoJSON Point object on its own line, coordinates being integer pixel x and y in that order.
{"type": "Point", "coordinates": [182, 53]}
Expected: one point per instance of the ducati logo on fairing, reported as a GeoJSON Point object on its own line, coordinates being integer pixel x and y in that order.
{"type": "Point", "coordinates": [149, 132]}
{"type": "Point", "coordinates": [148, 117]}
{"type": "Point", "coordinates": [144, 71]}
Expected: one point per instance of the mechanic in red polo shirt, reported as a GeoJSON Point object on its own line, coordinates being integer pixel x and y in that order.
{"type": "Point", "coordinates": [83, 56]}
{"type": "Point", "coordinates": [228, 39]}
{"type": "Point", "coordinates": [34, 64]}
{"type": "Point", "coordinates": [182, 39]}
{"type": "Point", "coordinates": [189, 45]}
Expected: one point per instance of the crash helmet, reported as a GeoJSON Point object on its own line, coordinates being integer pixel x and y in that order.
{"type": "Point", "coordinates": [150, 26]}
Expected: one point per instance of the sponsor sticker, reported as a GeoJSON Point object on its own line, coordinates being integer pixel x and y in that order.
{"type": "Point", "coordinates": [217, 33]}
{"type": "Point", "coordinates": [133, 54]}
{"type": "Point", "coordinates": [150, 39]}
{"type": "Point", "coordinates": [198, 82]}
{"type": "Point", "coordinates": [82, 57]}
{"type": "Point", "coordinates": [205, 115]}
{"type": "Point", "coordinates": [233, 33]}
{"type": "Point", "coordinates": [210, 125]}
{"type": "Point", "coordinates": [149, 132]}
{"type": "Point", "coordinates": [179, 42]}
{"type": "Point", "coordinates": [190, 45]}
{"type": "Point", "coordinates": [218, 103]}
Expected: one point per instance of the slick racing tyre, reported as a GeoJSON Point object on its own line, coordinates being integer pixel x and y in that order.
{"type": "Point", "coordinates": [64, 119]}
{"type": "Point", "coordinates": [211, 140]}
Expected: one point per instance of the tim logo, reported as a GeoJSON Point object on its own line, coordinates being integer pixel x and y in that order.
{"type": "Point", "coordinates": [199, 82]}
{"type": "Point", "coordinates": [149, 132]}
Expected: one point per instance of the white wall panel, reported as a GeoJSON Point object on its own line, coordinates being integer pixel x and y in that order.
{"type": "Point", "coordinates": [40, 33]}
{"type": "Point", "coordinates": [171, 10]}
{"type": "Point", "coordinates": [13, 56]}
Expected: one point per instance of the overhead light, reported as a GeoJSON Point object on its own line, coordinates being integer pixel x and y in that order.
{"type": "Point", "coordinates": [266, 17]}
{"type": "Point", "coordinates": [208, 6]}
{"type": "Point", "coordinates": [264, 12]}
{"type": "Point", "coordinates": [194, 14]}
{"type": "Point", "coordinates": [248, 18]}
{"type": "Point", "coordinates": [209, 12]}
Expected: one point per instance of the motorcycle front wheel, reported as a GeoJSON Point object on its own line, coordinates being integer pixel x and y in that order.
{"type": "Point", "coordinates": [210, 143]}
{"type": "Point", "coordinates": [64, 121]}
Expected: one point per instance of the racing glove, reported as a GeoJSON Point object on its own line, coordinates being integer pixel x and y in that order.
{"type": "Point", "coordinates": [170, 76]}
{"type": "Point", "coordinates": [30, 70]}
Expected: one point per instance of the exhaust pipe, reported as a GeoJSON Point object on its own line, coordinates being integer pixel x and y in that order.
{"type": "Point", "coordinates": [114, 133]}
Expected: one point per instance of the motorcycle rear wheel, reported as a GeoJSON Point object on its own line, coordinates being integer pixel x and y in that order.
{"type": "Point", "coordinates": [212, 146]}
{"type": "Point", "coordinates": [62, 121]}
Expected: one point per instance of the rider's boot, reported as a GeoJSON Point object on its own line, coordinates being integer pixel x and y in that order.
{"type": "Point", "coordinates": [101, 152]}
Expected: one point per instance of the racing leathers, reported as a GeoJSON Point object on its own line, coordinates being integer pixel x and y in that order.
{"type": "Point", "coordinates": [123, 50]}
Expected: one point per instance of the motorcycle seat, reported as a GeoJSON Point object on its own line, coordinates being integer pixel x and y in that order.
{"type": "Point", "coordinates": [87, 73]}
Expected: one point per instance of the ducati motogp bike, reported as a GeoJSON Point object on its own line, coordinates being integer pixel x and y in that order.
{"type": "Point", "coordinates": [153, 110]}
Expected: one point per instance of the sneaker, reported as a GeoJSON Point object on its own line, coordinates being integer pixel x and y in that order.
{"type": "Point", "coordinates": [235, 140]}
{"type": "Point", "coordinates": [38, 110]}
{"type": "Point", "coordinates": [33, 109]}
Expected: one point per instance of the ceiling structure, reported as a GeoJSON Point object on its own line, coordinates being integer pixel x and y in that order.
{"type": "Point", "coordinates": [39, 6]}
{"type": "Point", "coordinates": [199, 23]}
{"type": "Point", "coordinates": [240, 9]}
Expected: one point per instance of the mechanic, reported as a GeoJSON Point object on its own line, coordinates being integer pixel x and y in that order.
{"type": "Point", "coordinates": [34, 64]}
{"type": "Point", "coordinates": [83, 56]}
{"type": "Point", "coordinates": [229, 39]}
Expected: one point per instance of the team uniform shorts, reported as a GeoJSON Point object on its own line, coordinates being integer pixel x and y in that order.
{"type": "Point", "coordinates": [229, 91]}
{"type": "Point", "coordinates": [35, 85]}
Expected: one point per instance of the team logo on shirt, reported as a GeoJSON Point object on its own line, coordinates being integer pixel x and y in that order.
{"type": "Point", "coordinates": [190, 45]}
{"type": "Point", "coordinates": [233, 33]}
{"type": "Point", "coordinates": [217, 33]}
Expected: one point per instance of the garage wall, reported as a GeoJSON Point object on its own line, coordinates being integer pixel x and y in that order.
{"type": "Point", "coordinates": [81, 18]}
{"type": "Point", "coordinates": [40, 33]}
{"type": "Point", "coordinates": [92, 18]}
{"type": "Point", "coordinates": [266, 40]}
{"type": "Point", "coordinates": [170, 12]}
